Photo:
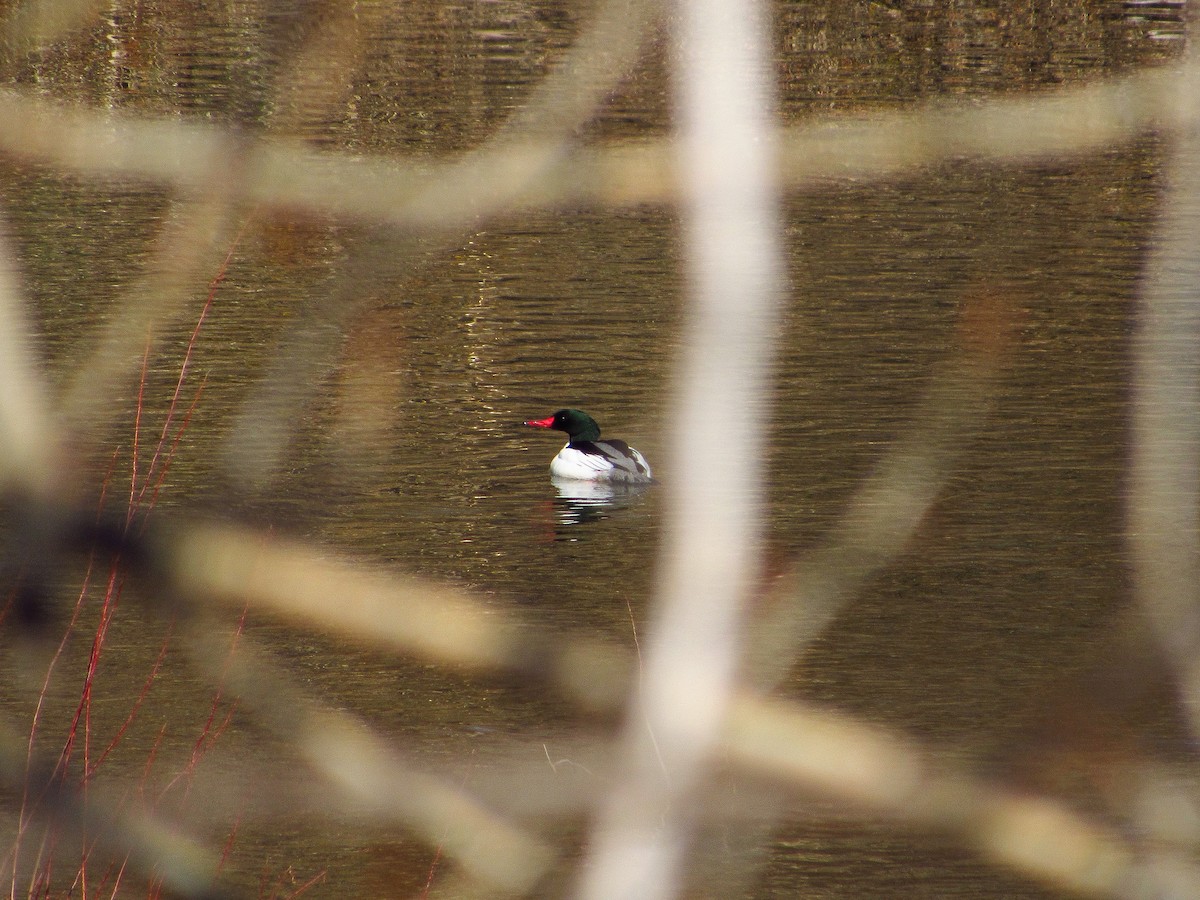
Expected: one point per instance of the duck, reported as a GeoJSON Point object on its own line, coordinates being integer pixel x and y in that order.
{"type": "Point", "coordinates": [586, 457]}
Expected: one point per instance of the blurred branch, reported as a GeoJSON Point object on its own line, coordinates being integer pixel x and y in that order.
{"type": "Point", "coordinates": [524, 170]}
{"type": "Point", "coordinates": [369, 776]}
{"type": "Point", "coordinates": [193, 235]}
{"type": "Point", "coordinates": [339, 595]}
{"type": "Point", "coordinates": [725, 107]}
{"type": "Point", "coordinates": [316, 77]}
{"type": "Point", "coordinates": [885, 511]}
{"type": "Point", "coordinates": [202, 218]}
{"type": "Point", "coordinates": [878, 524]}
{"type": "Point", "coordinates": [29, 446]}
{"type": "Point", "coordinates": [532, 147]}
{"type": "Point", "coordinates": [1164, 495]}
{"type": "Point", "coordinates": [1021, 129]}
{"type": "Point", "coordinates": [885, 774]}
{"type": "Point", "coordinates": [33, 24]}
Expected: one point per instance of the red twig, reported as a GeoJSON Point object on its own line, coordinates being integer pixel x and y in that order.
{"type": "Point", "coordinates": [25, 812]}
{"type": "Point", "coordinates": [312, 882]}
{"type": "Point", "coordinates": [137, 704]}
{"type": "Point", "coordinates": [162, 473]}
{"type": "Point", "coordinates": [437, 856]}
{"type": "Point", "coordinates": [84, 709]}
{"type": "Point", "coordinates": [433, 866]}
{"type": "Point", "coordinates": [210, 733]}
{"type": "Point", "coordinates": [187, 356]}
{"type": "Point", "coordinates": [150, 758]}
{"type": "Point", "coordinates": [153, 478]}
{"type": "Point", "coordinates": [227, 850]}
{"type": "Point", "coordinates": [41, 879]}
{"type": "Point", "coordinates": [117, 880]}
{"type": "Point", "coordinates": [275, 891]}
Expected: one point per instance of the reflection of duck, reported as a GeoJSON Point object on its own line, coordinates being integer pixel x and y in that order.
{"type": "Point", "coordinates": [579, 502]}
{"type": "Point", "coordinates": [587, 458]}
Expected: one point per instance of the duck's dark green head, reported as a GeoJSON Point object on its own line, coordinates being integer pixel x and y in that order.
{"type": "Point", "coordinates": [578, 425]}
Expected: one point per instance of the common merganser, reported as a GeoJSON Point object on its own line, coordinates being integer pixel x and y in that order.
{"type": "Point", "coordinates": [586, 457]}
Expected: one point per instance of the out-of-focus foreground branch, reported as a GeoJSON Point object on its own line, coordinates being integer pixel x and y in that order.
{"type": "Point", "coordinates": [419, 194]}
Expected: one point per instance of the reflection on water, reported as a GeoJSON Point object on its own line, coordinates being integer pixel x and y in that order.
{"type": "Point", "coordinates": [583, 502]}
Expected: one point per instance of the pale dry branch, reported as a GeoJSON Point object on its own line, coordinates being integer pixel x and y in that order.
{"type": "Point", "coordinates": [1164, 496]}
{"type": "Point", "coordinates": [29, 446]}
{"type": "Point", "coordinates": [338, 594]}
{"type": "Point", "coordinates": [725, 107]}
{"type": "Point", "coordinates": [367, 775]}
{"type": "Point", "coordinates": [887, 508]}
{"type": "Point", "coordinates": [882, 773]}
{"type": "Point", "coordinates": [190, 243]}
{"type": "Point", "coordinates": [427, 194]}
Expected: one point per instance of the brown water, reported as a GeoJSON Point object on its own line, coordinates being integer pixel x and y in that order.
{"type": "Point", "coordinates": [1011, 583]}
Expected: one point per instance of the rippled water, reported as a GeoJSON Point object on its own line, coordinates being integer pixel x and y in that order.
{"type": "Point", "coordinates": [414, 453]}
